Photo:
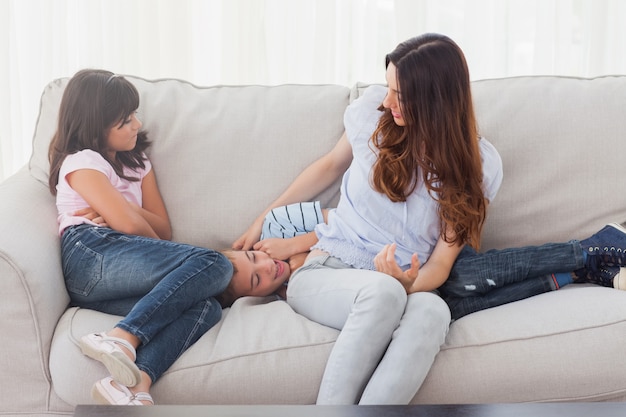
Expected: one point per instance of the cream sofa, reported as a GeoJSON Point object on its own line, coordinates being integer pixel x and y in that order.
{"type": "Point", "coordinates": [222, 153]}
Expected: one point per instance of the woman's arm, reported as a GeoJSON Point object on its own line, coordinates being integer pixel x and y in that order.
{"type": "Point", "coordinates": [415, 279]}
{"type": "Point", "coordinates": [94, 187]}
{"type": "Point", "coordinates": [313, 180]}
{"type": "Point", "coordinates": [437, 269]}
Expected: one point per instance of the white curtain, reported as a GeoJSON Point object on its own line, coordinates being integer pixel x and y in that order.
{"type": "Point", "coordinates": [285, 41]}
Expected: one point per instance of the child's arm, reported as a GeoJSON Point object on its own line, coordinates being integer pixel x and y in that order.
{"type": "Point", "coordinates": [91, 214]}
{"type": "Point", "coordinates": [297, 260]}
{"type": "Point", "coordinates": [94, 187]}
{"type": "Point", "coordinates": [286, 248]}
{"type": "Point", "coordinates": [153, 210]}
{"type": "Point", "coordinates": [279, 248]}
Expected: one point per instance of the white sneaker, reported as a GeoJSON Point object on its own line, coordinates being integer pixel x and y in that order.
{"type": "Point", "coordinates": [107, 350]}
{"type": "Point", "coordinates": [107, 391]}
{"type": "Point", "coordinates": [619, 280]}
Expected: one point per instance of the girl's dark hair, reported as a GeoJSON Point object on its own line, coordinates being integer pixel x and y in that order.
{"type": "Point", "coordinates": [93, 102]}
{"type": "Point", "coordinates": [439, 139]}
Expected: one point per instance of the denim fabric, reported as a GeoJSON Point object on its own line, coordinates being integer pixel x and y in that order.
{"type": "Point", "coordinates": [387, 344]}
{"type": "Point", "coordinates": [164, 289]}
{"type": "Point", "coordinates": [482, 280]}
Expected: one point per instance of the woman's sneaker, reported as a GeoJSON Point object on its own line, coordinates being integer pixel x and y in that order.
{"type": "Point", "coordinates": [605, 248]}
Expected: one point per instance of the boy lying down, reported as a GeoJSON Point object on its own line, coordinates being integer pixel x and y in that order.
{"type": "Point", "coordinates": [255, 272]}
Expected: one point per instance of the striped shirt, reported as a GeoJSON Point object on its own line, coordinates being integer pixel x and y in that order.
{"type": "Point", "coordinates": [292, 220]}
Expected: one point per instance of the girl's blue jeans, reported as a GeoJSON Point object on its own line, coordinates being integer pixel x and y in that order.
{"type": "Point", "coordinates": [482, 280]}
{"type": "Point", "coordinates": [165, 290]}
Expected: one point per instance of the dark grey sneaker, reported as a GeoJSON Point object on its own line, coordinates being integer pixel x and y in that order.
{"type": "Point", "coordinates": [606, 276]}
{"type": "Point", "coordinates": [605, 248]}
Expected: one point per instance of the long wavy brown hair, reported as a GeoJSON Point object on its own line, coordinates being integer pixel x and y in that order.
{"type": "Point", "coordinates": [93, 101]}
{"type": "Point", "coordinates": [439, 142]}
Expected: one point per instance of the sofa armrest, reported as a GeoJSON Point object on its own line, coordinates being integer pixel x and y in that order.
{"type": "Point", "coordinates": [33, 290]}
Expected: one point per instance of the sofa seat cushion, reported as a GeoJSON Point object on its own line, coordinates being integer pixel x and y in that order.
{"type": "Point", "coordinates": [260, 352]}
{"type": "Point", "coordinates": [535, 341]}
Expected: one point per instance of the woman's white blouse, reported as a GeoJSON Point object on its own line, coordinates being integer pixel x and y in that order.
{"type": "Point", "coordinates": [366, 220]}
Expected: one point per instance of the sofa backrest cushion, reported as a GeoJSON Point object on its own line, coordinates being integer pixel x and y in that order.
{"type": "Point", "coordinates": [562, 143]}
{"type": "Point", "coordinates": [221, 154]}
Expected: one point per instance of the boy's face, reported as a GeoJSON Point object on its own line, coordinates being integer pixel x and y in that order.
{"type": "Point", "coordinates": [257, 273]}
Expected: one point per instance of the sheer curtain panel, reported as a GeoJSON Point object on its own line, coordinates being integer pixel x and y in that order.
{"type": "Point", "coordinates": [285, 41]}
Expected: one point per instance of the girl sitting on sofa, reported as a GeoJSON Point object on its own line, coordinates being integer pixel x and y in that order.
{"type": "Point", "coordinates": [417, 180]}
{"type": "Point", "coordinates": [115, 248]}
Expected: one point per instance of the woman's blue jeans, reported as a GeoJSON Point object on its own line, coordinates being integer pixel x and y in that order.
{"type": "Point", "coordinates": [164, 289]}
{"type": "Point", "coordinates": [482, 280]}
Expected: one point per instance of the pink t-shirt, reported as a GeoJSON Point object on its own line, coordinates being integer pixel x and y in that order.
{"type": "Point", "coordinates": [68, 200]}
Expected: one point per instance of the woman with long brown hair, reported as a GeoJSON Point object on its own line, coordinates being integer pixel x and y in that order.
{"type": "Point", "coordinates": [417, 180]}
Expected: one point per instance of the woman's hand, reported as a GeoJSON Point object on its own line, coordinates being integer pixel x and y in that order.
{"type": "Point", "coordinates": [90, 214]}
{"type": "Point", "coordinates": [385, 262]}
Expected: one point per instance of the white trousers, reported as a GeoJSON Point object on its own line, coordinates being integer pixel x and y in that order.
{"type": "Point", "coordinates": [388, 340]}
